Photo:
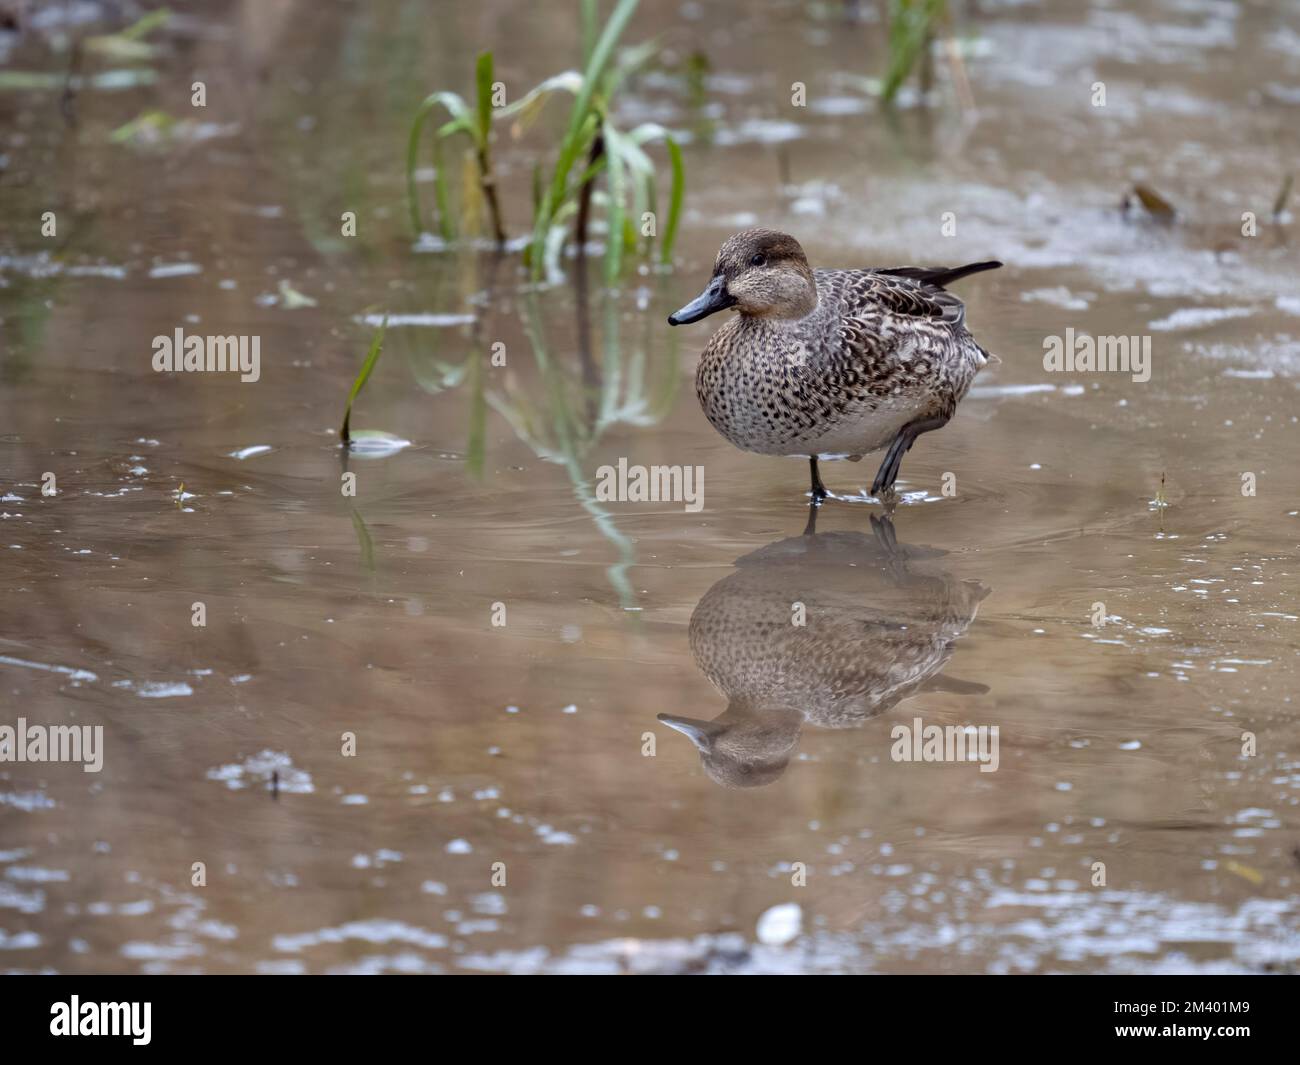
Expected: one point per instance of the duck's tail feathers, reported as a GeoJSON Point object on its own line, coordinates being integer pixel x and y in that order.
{"type": "Point", "coordinates": [942, 275]}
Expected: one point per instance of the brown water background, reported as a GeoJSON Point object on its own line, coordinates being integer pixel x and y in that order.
{"type": "Point", "coordinates": [524, 744]}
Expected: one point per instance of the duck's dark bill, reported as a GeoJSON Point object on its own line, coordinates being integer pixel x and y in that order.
{"type": "Point", "coordinates": [712, 299]}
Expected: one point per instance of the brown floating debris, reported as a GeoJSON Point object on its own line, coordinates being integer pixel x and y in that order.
{"type": "Point", "coordinates": [1152, 202]}
{"type": "Point", "coordinates": [1283, 194]}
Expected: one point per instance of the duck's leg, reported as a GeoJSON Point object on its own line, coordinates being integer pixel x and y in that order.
{"type": "Point", "coordinates": [886, 537]}
{"type": "Point", "coordinates": [818, 489]}
{"type": "Point", "coordinates": [888, 472]}
{"type": "Point", "coordinates": [811, 528]}
{"type": "Point", "coordinates": [895, 559]}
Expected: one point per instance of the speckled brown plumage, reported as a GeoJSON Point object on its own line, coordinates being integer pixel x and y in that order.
{"type": "Point", "coordinates": [831, 362]}
{"type": "Point", "coordinates": [876, 629]}
{"type": "Point", "coordinates": [872, 632]}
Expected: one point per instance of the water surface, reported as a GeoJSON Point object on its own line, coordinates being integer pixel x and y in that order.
{"type": "Point", "coordinates": [527, 744]}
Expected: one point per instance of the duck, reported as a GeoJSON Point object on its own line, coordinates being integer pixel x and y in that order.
{"type": "Point", "coordinates": [830, 363]}
{"type": "Point", "coordinates": [879, 623]}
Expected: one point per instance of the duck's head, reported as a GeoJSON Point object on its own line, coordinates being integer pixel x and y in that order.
{"type": "Point", "coordinates": [759, 272]}
{"type": "Point", "coordinates": [746, 746]}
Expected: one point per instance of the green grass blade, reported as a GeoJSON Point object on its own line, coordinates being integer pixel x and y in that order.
{"type": "Point", "coordinates": [528, 106]}
{"type": "Point", "coordinates": [629, 62]}
{"type": "Point", "coordinates": [910, 23]}
{"type": "Point", "coordinates": [476, 447]}
{"type": "Point", "coordinates": [555, 236]}
{"type": "Point", "coordinates": [579, 119]}
{"type": "Point", "coordinates": [549, 213]}
{"type": "Point", "coordinates": [615, 178]}
{"type": "Point", "coordinates": [364, 541]}
{"type": "Point", "coordinates": [372, 357]}
{"type": "Point", "coordinates": [652, 205]}
{"type": "Point", "coordinates": [589, 15]}
{"type": "Point", "coordinates": [459, 112]}
{"type": "Point", "coordinates": [600, 56]}
{"type": "Point", "coordinates": [674, 202]}
{"type": "Point", "coordinates": [446, 224]}
{"type": "Point", "coordinates": [483, 80]}
{"type": "Point", "coordinates": [146, 25]}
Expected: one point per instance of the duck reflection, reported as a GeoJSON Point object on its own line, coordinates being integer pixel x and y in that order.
{"type": "Point", "coordinates": [828, 629]}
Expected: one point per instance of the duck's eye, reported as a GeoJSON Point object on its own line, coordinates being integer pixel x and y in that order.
{"type": "Point", "coordinates": [758, 260]}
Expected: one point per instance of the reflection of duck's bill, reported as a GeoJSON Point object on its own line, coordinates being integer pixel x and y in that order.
{"type": "Point", "coordinates": [700, 733]}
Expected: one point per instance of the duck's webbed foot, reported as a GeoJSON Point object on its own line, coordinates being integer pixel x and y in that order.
{"type": "Point", "coordinates": [818, 489]}
{"type": "Point", "coordinates": [888, 472]}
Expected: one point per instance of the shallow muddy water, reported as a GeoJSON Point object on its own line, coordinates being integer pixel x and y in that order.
{"type": "Point", "coordinates": [1162, 743]}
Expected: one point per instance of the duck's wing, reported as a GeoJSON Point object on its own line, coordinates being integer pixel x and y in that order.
{"type": "Point", "coordinates": [874, 295]}
{"type": "Point", "coordinates": [888, 328]}
{"type": "Point", "coordinates": [882, 322]}
{"type": "Point", "coordinates": [942, 275]}
{"type": "Point", "coordinates": [907, 292]}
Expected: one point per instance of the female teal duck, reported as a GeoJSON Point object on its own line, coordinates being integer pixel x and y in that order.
{"type": "Point", "coordinates": [830, 362]}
